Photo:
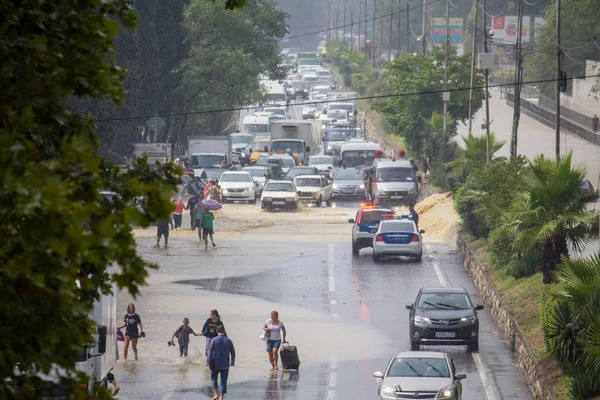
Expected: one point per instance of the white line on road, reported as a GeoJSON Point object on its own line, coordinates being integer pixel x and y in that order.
{"type": "Point", "coordinates": [331, 395]}
{"type": "Point", "coordinates": [219, 282]}
{"type": "Point", "coordinates": [332, 379]}
{"type": "Point", "coordinates": [168, 395]}
{"type": "Point", "coordinates": [335, 315]}
{"type": "Point", "coordinates": [486, 384]}
{"type": "Point", "coordinates": [330, 270]}
{"type": "Point", "coordinates": [285, 377]}
{"type": "Point", "coordinates": [333, 363]}
{"type": "Point", "coordinates": [478, 363]}
{"type": "Point", "coordinates": [333, 302]}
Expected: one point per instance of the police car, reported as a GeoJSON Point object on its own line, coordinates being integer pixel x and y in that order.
{"type": "Point", "coordinates": [366, 224]}
{"type": "Point", "coordinates": [398, 236]}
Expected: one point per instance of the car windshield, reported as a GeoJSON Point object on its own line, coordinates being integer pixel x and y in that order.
{"type": "Point", "coordinates": [207, 161]}
{"type": "Point", "coordinates": [345, 107]}
{"type": "Point", "coordinates": [348, 175]}
{"type": "Point", "coordinates": [394, 175]}
{"type": "Point", "coordinates": [279, 187]}
{"type": "Point", "coordinates": [263, 159]}
{"type": "Point", "coordinates": [419, 367]}
{"type": "Point", "coordinates": [321, 160]}
{"type": "Point", "coordinates": [452, 301]}
{"type": "Point", "coordinates": [212, 173]}
{"type": "Point", "coordinates": [397, 226]}
{"type": "Point", "coordinates": [323, 73]}
{"type": "Point", "coordinates": [354, 158]}
{"type": "Point", "coordinates": [277, 111]}
{"type": "Point", "coordinates": [236, 139]}
{"type": "Point", "coordinates": [276, 97]}
{"type": "Point", "coordinates": [300, 171]}
{"type": "Point", "coordinates": [256, 172]}
{"type": "Point", "coordinates": [307, 182]}
{"type": "Point", "coordinates": [284, 162]}
{"type": "Point", "coordinates": [338, 135]}
{"type": "Point", "coordinates": [337, 115]}
{"type": "Point", "coordinates": [373, 216]}
{"type": "Point", "coordinates": [255, 128]}
{"type": "Point", "coordinates": [236, 178]}
{"type": "Point", "coordinates": [287, 147]}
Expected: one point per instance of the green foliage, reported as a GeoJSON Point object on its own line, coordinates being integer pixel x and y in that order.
{"type": "Point", "coordinates": [56, 227]}
{"type": "Point", "coordinates": [353, 65]}
{"type": "Point", "coordinates": [571, 325]}
{"type": "Point", "coordinates": [551, 212]}
{"type": "Point", "coordinates": [417, 80]}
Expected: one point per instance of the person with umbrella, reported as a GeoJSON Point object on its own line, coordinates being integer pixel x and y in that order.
{"type": "Point", "coordinates": [205, 217]}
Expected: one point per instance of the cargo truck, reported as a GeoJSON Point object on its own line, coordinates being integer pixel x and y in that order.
{"type": "Point", "coordinates": [300, 137]}
{"type": "Point", "coordinates": [209, 152]}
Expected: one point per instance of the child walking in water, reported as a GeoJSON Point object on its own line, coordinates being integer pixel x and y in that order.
{"type": "Point", "coordinates": [206, 222]}
{"type": "Point", "coordinates": [183, 336]}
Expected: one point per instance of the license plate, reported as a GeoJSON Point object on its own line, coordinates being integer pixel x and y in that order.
{"type": "Point", "coordinates": [445, 334]}
{"type": "Point", "coordinates": [279, 203]}
{"type": "Point", "coordinates": [347, 191]}
{"type": "Point", "coordinates": [396, 197]}
{"type": "Point", "coordinates": [372, 230]}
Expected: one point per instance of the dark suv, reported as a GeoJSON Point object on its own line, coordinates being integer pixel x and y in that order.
{"type": "Point", "coordinates": [444, 316]}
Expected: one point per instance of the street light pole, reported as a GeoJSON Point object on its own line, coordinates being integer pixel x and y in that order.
{"type": "Point", "coordinates": [558, 80]}
{"type": "Point", "coordinates": [488, 142]}
{"type": "Point", "coordinates": [423, 33]}
{"type": "Point", "coordinates": [446, 65]}
{"type": "Point", "coordinates": [473, 59]}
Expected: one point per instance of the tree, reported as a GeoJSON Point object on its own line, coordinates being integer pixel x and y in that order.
{"type": "Point", "coordinates": [231, 51]}
{"type": "Point", "coordinates": [59, 233]}
{"type": "Point", "coordinates": [415, 83]}
{"type": "Point", "coordinates": [551, 213]}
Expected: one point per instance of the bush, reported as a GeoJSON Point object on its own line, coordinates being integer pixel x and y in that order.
{"type": "Point", "coordinates": [360, 82]}
{"type": "Point", "coordinates": [524, 266]}
{"type": "Point", "coordinates": [465, 207]}
{"type": "Point", "coordinates": [583, 385]}
{"type": "Point", "coordinates": [438, 176]}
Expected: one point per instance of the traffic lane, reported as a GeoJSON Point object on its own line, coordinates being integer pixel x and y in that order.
{"type": "Point", "coordinates": [376, 293]}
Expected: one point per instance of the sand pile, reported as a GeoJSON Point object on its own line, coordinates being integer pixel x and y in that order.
{"type": "Point", "coordinates": [438, 218]}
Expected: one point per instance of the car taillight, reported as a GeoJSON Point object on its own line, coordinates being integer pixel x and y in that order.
{"type": "Point", "coordinates": [379, 238]}
{"type": "Point", "coordinates": [415, 238]}
{"type": "Point", "coordinates": [359, 217]}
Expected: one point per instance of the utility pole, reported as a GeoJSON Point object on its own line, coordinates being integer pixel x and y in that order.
{"type": "Point", "coordinates": [391, 15]}
{"type": "Point", "coordinates": [373, 34]}
{"type": "Point", "coordinates": [337, 21]}
{"type": "Point", "coordinates": [328, 21]}
{"type": "Point", "coordinates": [487, 89]}
{"type": "Point", "coordinates": [473, 59]}
{"type": "Point", "coordinates": [359, 23]}
{"type": "Point", "coordinates": [558, 80]}
{"type": "Point", "coordinates": [399, 33]}
{"type": "Point", "coordinates": [423, 41]}
{"type": "Point", "coordinates": [380, 35]}
{"type": "Point", "coordinates": [518, 79]}
{"type": "Point", "coordinates": [446, 95]}
{"type": "Point", "coordinates": [407, 27]}
{"type": "Point", "coordinates": [345, 3]}
{"type": "Point", "coordinates": [351, 29]}
{"type": "Point", "coordinates": [365, 25]}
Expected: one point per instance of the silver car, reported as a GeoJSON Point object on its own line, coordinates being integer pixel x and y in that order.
{"type": "Point", "coordinates": [398, 236]}
{"type": "Point", "coordinates": [420, 375]}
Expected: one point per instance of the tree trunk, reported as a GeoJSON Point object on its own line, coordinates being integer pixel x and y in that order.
{"type": "Point", "coordinates": [548, 261]}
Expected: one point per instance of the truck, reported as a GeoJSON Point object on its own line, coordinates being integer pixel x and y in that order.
{"type": "Point", "coordinates": [209, 152]}
{"type": "Point", "coordinates": [156, 152]}
{"type": "Point", "coordinates": [300, 137]}
{"type": "Point", "coordinates": [346, 97]}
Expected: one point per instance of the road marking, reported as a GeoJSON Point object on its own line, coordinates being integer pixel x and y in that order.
{"type": "Point", "coordinates": [286, 377]}
{"type": "Point", "coordinates": [330, 270]}
{"type": "Point", "coordinates": [333, 302]}
{"type": "Point", "coordinates": [219, 282]}
{"type": "Point", "coordinates": [333, 363]}
{"type": "Point", "coordinates": [332, 379]}
{"type": "Point", "coordinates": [335, 315]}
{"type": "Point", "coordinates": [478, 363]}
{"type": "Point", "coordinates": [486, 384]}
{"type": "Point", "coordinates": [168, 395]}
{"type": "Point", "coordinates": [331, 395]}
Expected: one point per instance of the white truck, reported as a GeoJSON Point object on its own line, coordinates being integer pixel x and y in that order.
{"type": "Point", "coordinates": [209, 152]}
{"type": "Point", "coordinates": [346, 97]}
{"type": "Point", "coordinates": [156, 152]}
{"type": "Point", "coordinates": [299, 137]}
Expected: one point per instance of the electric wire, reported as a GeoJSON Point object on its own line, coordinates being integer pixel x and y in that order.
{"type": "Point", "coordinates": [375, 97]}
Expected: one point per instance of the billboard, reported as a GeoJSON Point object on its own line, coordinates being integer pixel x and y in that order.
{"type": "Point", "coordinates": [438, 31]}
{"type": "Point", "coordinates": [505, 28]}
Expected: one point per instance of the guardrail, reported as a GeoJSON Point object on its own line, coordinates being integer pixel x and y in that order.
{"type": "Point", "coordinates": [548, 118]}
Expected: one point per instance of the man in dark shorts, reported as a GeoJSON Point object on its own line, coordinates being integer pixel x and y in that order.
{"type": "Point", "coordinates": [162, 229]}
{"type": "Point", "coordinates": [206, 222]}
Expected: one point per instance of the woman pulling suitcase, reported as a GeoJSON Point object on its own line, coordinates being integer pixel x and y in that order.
{"type": "Point", "coordinates": [274, 328]}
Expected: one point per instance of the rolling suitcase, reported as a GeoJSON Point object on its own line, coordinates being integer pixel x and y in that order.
{"type": "Point", "coordinates": [289, 356]}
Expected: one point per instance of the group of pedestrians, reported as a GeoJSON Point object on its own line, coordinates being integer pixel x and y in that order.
{"type": "Point", "coordinates": [218, 349]}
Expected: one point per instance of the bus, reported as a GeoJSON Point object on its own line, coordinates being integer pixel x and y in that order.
{"type": "Point", "coordinates": [308, 59]}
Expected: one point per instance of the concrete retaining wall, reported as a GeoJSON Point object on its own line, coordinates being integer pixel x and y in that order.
{"type": "Point", "coordinates": [522, 348]}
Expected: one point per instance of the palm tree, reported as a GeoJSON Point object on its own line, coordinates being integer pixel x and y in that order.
{"type": "Point", "coordinates": [551, 213]}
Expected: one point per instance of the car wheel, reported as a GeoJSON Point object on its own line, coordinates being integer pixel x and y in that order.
{"type": "Point", "coordinates": [328, 202]}
{"type": "Point", "coordinates": [319, 202]}
{"type": "Point", "coordinates": [355, 249]}
{"type": "Point", "coordinates": [376, 257]}
{"type": "Point", "coordinates": [414, 345]}
{"type": "Point", "coordinates": [419, 257]}
{"type": "Point", "coordinates": [474, 346]}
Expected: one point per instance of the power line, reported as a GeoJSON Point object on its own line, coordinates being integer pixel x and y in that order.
{"type": "Point", "coordinates": [362, 21]}
{"type": "Point", "coordinates": [382, 96]}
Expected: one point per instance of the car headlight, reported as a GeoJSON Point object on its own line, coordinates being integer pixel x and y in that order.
{"type": "Point", "coordinates": [422, 320]}
{"type": "Point", "coordinates": [335, 186]}
{"type": "Point", "coordinates": [388, 391]}
{"type": "Point", "coordinates": [267, 199]}
{"type": "Point", "coordinates": [470, 320]}
{"type": "Point", "coordinates": [290, 199]}
{"type": "Point", "coordinates": [445, 393]}
{"type": "Point", "coordinates": [411, 191]}
{"type": "Point", "coordinates": [248, 188]}
{"type": "Point", "coordinates": [362, 186]}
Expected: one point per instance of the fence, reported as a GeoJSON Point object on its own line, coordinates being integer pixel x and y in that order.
{"type": "Point", "coordinates": [548, 118]}
{"type": "Point", "coordinates": [574, 116]}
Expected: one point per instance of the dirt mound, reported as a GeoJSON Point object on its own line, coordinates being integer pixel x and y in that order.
{"type": "Point", "coordinates": [438, 218]}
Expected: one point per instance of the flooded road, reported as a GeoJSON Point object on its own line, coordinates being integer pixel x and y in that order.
{"type": "Point", "coordinates": [346, 314]}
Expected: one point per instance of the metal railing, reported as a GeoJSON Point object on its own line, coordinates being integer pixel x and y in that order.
{"type": "Point", "coordinates": [576, 117]}
{"type": "Point", "coordinates": [548, 118]}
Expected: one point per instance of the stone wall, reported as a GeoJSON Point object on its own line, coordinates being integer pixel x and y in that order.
{"type": "Point", "coordinates": [522, 348]}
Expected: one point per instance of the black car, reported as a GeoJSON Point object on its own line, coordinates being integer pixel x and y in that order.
{"type": "Point", "coordinates": [297, 171]}
{"type": "Point", "coordinates": [444, 316]}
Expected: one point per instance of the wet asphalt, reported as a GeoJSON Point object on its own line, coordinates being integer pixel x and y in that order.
{"type": "Point", "coordinates": [346, 314]}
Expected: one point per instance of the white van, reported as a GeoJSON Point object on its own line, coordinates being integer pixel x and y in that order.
{"type": "Point", "coordinates": [255, 125]}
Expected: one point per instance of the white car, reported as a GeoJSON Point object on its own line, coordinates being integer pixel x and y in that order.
{"type": "Point", "coordinates": [398, 237]}
{"type": "Point", "coordinates": [314, 189]}
{"type": "Point", "coordinates": [276, 111]}
{"type": "Point", "coordinates": [279, 194]}
{"type": "Point", "coordinates": [238, 185]}
{"type": "Point", "coordinates": [323, 163]}
{"type": "Point", "coordinates": [308, 111]}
